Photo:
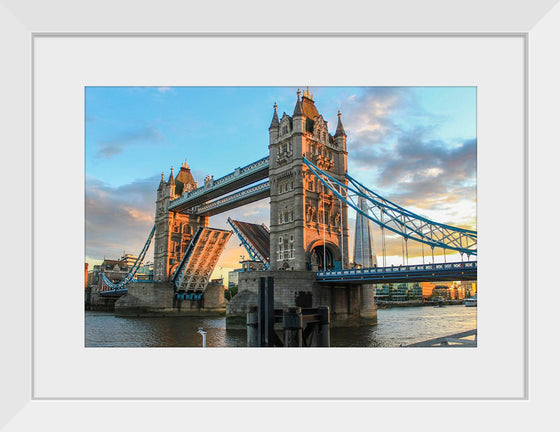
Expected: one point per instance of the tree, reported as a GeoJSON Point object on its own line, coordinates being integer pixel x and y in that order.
{"type": "Point", "coordinates": [230, 292]}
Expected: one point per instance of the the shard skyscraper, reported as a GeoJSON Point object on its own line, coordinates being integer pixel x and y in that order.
{"type": "Point", "coordinates": [364, 253]}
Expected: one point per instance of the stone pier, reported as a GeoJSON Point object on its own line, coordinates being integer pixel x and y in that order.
{"type": "Point", "coordinates": [157, 299]}
{"type": "Point", "coordinates": [349, 305]}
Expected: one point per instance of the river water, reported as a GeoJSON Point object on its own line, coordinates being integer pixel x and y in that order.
{"type": "Point", "coordinates": [396, 326]}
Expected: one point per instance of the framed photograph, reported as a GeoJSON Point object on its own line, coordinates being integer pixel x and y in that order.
{"type": "Point", "coordinates": [53, 379]}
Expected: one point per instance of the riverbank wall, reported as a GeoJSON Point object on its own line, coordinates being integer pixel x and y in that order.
{"type": "Point", "coordinates": [410, 303]}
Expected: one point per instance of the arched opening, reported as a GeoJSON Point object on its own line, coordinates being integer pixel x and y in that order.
{"type": "Point", "coordinates": [322, 257]}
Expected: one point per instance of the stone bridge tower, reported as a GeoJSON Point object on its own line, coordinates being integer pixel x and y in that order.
{"type": "Point", "coordinates": [308, 224]}
{"type": "Point", "coordinates": [174, 230]}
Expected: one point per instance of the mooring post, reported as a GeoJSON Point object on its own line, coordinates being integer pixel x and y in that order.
{"type": "Point", "coordinates": [324, 327]}
{"type": "Point", "coordinates": [293, 336]}
{"type": "Point", "coordinates": [252, 327]}
{"type": "Point", "coordinates": [260, 312]}
{"type": "Point", "coordinates": [269, 313]}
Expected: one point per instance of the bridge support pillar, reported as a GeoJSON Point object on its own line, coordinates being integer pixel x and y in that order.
{"type": "Point", "coordinates": [347, 306]}
{"type": "Point", "coordinates": [368, 308]}
{"type": "Point", "coordinates": [158, 299]}
{"type": "Point", "coordinates": [345, 302]}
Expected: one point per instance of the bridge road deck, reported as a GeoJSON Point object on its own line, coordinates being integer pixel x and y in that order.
{"type": "Point", "coordinates": [409, 273]}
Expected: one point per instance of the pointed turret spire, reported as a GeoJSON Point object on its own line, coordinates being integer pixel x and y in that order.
{"type": "Point", "coordinates": [171, 180]}
{"type": "Point", "coordinates": [298, 110]}
{"type": "Point", "coordinates": [339, 127]}
{"type": "Point", "coordinates": [275, 123]}
{"type": "Point", "coordinates": [161, 182]}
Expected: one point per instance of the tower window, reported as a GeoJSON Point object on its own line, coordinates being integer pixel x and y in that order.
{"type": "Point", "coordinates": [292, 248]}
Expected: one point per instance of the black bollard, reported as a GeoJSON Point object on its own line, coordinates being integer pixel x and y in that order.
{"type": "Point", "coordinates": [265, 300]}
{"type": "Point", "coordinates": [293, 336]}
{"type": "Point", "coordinates": [324, 327]}
{"type": "Point", "coordinates": [252, 327]}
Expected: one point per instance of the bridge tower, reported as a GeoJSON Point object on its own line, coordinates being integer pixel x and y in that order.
{"type": "Point", "coordinates": [308, 225]}
{"type": "Point", "coordinates": [174, 230]}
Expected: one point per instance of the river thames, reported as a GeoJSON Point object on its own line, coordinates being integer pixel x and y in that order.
{"type": "Point", "coordinates": [396, 326]}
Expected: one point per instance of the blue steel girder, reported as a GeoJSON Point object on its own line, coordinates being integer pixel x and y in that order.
{"type": "Point", "coordinates": [451, 271]}
{"type": "Point", "coordinates": [128, 277]}
{"type": "Point", "coordinates": [239, 178]}
{"type": "Point", "coordinates": [253, 253]}
{"type": "Point", "coordinates": [395, 218]}
{"type": "Point", "coordinates": [234, 200]}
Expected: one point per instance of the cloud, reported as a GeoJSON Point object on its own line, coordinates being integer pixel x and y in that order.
{"type": "Point", "coordinates": [118, 218]}
{"type": "Point", "coordinates": [107, 149]}
{"type": "Point", "coordinates": [396, 148]}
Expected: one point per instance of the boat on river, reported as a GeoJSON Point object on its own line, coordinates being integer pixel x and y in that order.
{"type": "Point", "coordinates": [471, 301]}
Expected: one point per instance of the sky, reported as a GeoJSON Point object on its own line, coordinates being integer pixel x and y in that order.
{"type": "Point", "coordinates": [416, 146]}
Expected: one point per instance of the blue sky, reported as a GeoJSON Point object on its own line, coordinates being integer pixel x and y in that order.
{"type": "Point", "coordinates": [413, 145]}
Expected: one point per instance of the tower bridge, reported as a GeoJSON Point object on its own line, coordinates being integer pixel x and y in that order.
{"type": "Point", "coordinates": [305, 177]}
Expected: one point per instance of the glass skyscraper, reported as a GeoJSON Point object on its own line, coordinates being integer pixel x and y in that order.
{"type": "Point", "coordinates": [364, 252]}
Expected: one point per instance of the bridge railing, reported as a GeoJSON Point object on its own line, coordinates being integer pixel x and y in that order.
{"type": "Point", "coordinates": [132, 272]}
{"type": "Point", "coordinates": [232, 198]}
{"type": "Point", "coordinates": [246, 170]}
{"type": "Point", "coordinates": [400, 269]}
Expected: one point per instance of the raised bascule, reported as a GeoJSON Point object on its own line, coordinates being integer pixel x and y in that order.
{"type": "Point", "coordinates": [305, 248]}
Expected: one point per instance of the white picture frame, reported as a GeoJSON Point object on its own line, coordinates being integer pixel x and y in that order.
{"type": "Point", "coordinates": [22, 24]}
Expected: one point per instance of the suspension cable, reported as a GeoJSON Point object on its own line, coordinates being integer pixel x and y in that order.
{"type": "Point", "coordinates": [383, 241]}
{"type": "Point", "coordinates": [401, 221]}
{"type": "Point", "coordinates": [406, 247]}
{"type": "Point", "coordinates": [341, 235]}
{"type": "Point", "coordinates": [324, 233]}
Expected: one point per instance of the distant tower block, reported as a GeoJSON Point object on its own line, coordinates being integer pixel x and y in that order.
{"type": "Point", "coordinates": [364, 253]}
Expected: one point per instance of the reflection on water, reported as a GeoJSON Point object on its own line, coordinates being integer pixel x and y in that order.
{"type": "Point", "coordinates": [407, 325]}
{"type": "Point", "coordinates": [103, 329]}
{"type": "Point", "coordinates": [395, 326]}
